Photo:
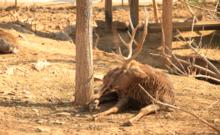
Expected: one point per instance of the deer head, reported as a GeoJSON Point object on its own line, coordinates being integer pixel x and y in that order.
{"type": "Point", "coordinates": [122, 77]}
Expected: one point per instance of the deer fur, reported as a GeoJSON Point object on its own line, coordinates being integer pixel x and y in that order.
{"type": "Point", "coordinates": [8, 42]}
{"type": "Point", "coordinates": [125, 81]}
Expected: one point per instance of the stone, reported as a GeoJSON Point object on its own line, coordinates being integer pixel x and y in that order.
{"type": "Point", "coordinates": [42, 129]}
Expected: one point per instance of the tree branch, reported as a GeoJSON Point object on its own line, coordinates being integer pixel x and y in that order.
{"type": "Point", "coordinates": [178, 108]}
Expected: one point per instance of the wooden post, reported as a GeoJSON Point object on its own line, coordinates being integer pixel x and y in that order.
{"type": "Point", "coordinates": [108, 14]}
{"type": "Point", "coordinates": [84, 60]}
{"type": "Point", "coordinates": [167, 24]}
{"type": "Point", "coordinates": [134, 11]}
{"type": "Point", "coordinates": [155, 11]}
{"type": "Point", "coordinates": [16, 3]}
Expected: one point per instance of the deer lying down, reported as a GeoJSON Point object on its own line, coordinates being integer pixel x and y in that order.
{"type": "Point", "coordinates": [8, 42]}
{"type": "Point", "coordinates": [125, 81]}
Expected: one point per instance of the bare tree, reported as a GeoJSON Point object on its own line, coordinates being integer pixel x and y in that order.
{"type": "Point", "coordinates": [16, 3]}
{"type": "Point", "coordinates": [108, 14]}
{"type": "Point", "coordinates": [84, 63]}
{"type": "Point", "coordinates": [167, 24]}
{"type": "Point", "coordinates": [134, 11]}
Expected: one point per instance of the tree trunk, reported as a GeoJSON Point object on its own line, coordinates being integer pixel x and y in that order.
{"type": "Point", "coordinates": [218, 10]}
{"type": "Point", "coordinates": [108, 14]}
{"type": "Point", "coordinates": [167, 25]}
{"type": "Point", "coordinates": [155, 11]}
{"type": "Point", "coordinates": [84, 59]}
{"type": "Point", "coordinates": [16, 3]}
{"type": "Point", "coordinates": [134, 11]}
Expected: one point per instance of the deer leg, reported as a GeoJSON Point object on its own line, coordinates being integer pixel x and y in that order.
{"type": "Point", "coordinates": [144, 111]}
{"type": "Point", "coordinates": [121, 103]}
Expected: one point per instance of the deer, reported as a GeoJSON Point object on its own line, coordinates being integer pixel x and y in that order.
{"type": "Point", "coordinates": [8, 42]}
{"type": "Point", "coordinates": [126, 80]}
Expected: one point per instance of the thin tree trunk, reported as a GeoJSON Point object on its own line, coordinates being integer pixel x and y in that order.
{"type": "Point", "coordinates": [155, 11]}
{"type": "Point", "coordinates": [134, 11]}
{"type": "Point", "coordinates": [167, 24]}
{"type": "Point", "coordinates": [108, 14]}
{"type": "Point", "coordinates": [84, 59]}
{"type": "Point", "coordinates": [218, 10]}
{"type": "Point", "coordinates": [16, 3]}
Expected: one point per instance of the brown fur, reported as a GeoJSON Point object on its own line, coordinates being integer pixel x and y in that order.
{"type": "Point", "coordinates": [8, 42]}
{"type": "Point", "coordinates": [124, 80]}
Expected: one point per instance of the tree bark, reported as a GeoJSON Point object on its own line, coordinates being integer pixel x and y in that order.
{"type": "Point", "coordinates": [134, 11]}
{"type": "Point", "coordinates": [155, 11]}
{"type": "Point", "coordinates": [218, 10]}
{"type": "Point", "coordinates": [108, 14]}
{"type": "Point", "coordinates": [16, 3]}
{"type": "Point", "coordinates": [84, 59]}
{"type": "Point", "coordinates": [167, 24]}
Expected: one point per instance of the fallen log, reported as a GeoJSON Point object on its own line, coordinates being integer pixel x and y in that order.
{"type": "Point", "coordinates": [184, 26]}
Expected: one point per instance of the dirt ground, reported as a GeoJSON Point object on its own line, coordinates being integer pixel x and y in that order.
{"type": "Point", "coordinates": [41, 102]}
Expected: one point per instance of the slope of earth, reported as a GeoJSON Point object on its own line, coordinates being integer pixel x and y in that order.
{"type": "Point", "coordinates": [41, 102]}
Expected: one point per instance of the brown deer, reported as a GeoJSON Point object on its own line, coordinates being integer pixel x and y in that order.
{"type": "Point", "coordinates": [8, 42]}
{"type": "Point", "coordinates": [125, 81]}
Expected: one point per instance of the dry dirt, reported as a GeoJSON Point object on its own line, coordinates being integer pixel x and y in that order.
{"type": "Point", "coordinates": [41, 102]}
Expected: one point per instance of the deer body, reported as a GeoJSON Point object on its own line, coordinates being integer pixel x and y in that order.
{"type": "Point", "coordinates": [127, 79]}
{"type": "Point", "coordinates": [155, 82]}
{"type": "Point", "coordinates": [8, 42]}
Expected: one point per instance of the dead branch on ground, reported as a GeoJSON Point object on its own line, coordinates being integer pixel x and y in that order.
{"type": "Point", "coordinates": [196, 65]}
{"type": "Point", "coordinates": [179, 109]}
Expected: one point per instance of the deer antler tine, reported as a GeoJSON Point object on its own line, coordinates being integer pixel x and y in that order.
{"type": "Point", "coordinates": [129, 34]}
{"type": "Point", "coordinates": [129, 46]}
{"type": "Point", "coordinates": [130, 21]}
{"type": "Point", "coordinates": [122, 40]}
{"type": "Point", "coordinates": [134, 31]}
{"type": "Point", "coordinates": [146, 21]}
{"type": "Point", "coordinates": [141, 42]}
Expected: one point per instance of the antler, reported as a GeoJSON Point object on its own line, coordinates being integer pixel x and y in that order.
{"type": "Point", "coordinates": [128, 45]}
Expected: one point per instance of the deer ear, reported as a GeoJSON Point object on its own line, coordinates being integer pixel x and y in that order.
{"type": "Point", "coordinates": [137, 72]}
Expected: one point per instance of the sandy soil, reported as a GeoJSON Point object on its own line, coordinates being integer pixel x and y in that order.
{"type": "Point", "coordinates": [41, 102]}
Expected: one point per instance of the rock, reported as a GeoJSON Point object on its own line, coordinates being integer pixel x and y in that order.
{"type": "Point", "coordinates": [57, 122]}
{"type": "Point", "coordinates": [216, 121]}
{"type": "Point", "coordinates": [41, 121]}
{"type": "Point", "coordinates": [10, 71]}
{"type": "Point", "coordinates": [40, 65]}
{"type": "Point", "coordinates": [26, 92]}
{"type": "Point", "coordinates": [77, 115]}
{"type": "Point", "coordinates": [36, 111]}
{"type": "Point", "coordinates": [169, 116]}
{"type": "Point", "coordinates": [42, 129]}
{"type": "Point", "coordinates": [92, 126]}
{"type": "Point", "coordinates": [28, 96]}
